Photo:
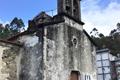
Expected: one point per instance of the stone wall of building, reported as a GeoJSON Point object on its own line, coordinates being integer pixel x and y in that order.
{"type": "Point", "coordinates": [89, 67]}
{"type": "Point", "coordinates": [22, 63]}
{"type": "Point", "coordinates": [67, 49]}
{"type": "Point", "coordinates": [50, 53]}
{"type": "Point", "coordinates": [8, 61]}
{"type": "Point", "coordinates": [31, 65]}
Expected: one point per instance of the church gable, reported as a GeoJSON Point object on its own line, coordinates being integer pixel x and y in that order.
{"type": "Point", "coordinates": [42, 18]}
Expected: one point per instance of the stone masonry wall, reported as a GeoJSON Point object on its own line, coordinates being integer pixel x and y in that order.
{"type": "Point", "coordinates": [31, 65]}
{"type": "Point", "coordinates": [66, 49]}
{"type": "Point", "coordinates": [51, 53]}
{"type": "Point", "coordinates": [88, 59]}
{"type": "Point", "coordinates": [8, 61]}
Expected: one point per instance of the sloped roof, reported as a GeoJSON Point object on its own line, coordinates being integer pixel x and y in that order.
{"type": "Point", "coordinates": [9, 42]}
{"type": "Point", "coordinates": [41, 15]}
{"type": "Point", "coordinates": [17, 35]}
{"type": "Point", "coordinates": [89, 38]}
{"type": "Point", "coordinates": [103, 50]}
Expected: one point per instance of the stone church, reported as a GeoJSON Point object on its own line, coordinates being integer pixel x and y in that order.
{"type": "Point", "coordinates": [52, 48]}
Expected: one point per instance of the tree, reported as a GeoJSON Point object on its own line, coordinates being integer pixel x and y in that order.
{"type": "Point", "coordinates": [11, 29]}
{"type": "Point", "coordinates": [94, 32]}
{"type": "Point", "coordinates": [113, 32]}
{"type": "Point", "coordinates": [16, 25]}
{"type": "Point", "coordinates": [118, 26]}
{"type": "Point", "coordinates": [1, 30]}
{"type": "Point", "coordinates": [1, 26]}
{"type": "Point", "coordinates": [101, 35]}
{"type": "Point", "coordinates": [111, 42]}
{"type": "Point", "coordinates": [5, 32]}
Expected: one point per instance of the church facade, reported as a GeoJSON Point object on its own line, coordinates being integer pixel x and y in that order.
{"type": "Point", "coordinates": [52, 48]}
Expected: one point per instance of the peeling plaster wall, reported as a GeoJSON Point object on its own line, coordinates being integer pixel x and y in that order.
{"type": "Point", "coordinates": [8, 61]}
{"type": "Point", "coordinates": [51, 53]}
{"type": "Point", "coordinates": [67, 48]}
{"type": "Point", "coordinates": [54, 53]}
{"type": "Point", "coordinates": [3, 76]}
{"type": "Point", "coordinates": [23, 63]}
{"type": "Point", "coordinates": [73, 24]}
{"type": "Point", "coordinates": [88, 59]}
{"type": "Point", "coordinates": [31, 65]}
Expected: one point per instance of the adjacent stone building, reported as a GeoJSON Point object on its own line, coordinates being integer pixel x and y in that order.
{"type": "Point", "coordinates": [53, 48]}
{"type": "Point", "coordinates": [104, 68]}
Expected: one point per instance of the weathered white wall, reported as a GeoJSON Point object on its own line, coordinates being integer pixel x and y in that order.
{"type": "Point", "coordinates": [89, 59]}
{"type": "Point", "coordinates": [3, 76]}
{"type": "Point", "coordinates": [72, 23]}
{"type": "Point", "coordinates": [62, 55]}
{"type": "Point", "coordinates": [29, 40]}
{"type": "Point", "coordinates": [8, 61]}
{"type": "Point", "coordinates": [31, 63]}
{"type": "Point", "coordinates": [52, 53]}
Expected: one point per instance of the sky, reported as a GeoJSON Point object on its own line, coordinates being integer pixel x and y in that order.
{"type": "Point", "coordinates": [101, 14]}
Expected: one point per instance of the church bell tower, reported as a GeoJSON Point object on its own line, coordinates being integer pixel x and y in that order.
{"type": "Point", "coordinates": [70, 7]}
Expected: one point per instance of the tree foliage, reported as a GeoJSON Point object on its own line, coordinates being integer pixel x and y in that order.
{"type": "Point", "coordinates": [112, 41]}
{"type": "Point", "coordinates": [16, 24]}
{"type": "Point", "coordinates": [8, 30]}
{"type": "Point", "coordinates": [95, 33]}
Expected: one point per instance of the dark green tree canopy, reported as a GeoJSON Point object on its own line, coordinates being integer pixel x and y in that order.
{"type": "Point", "coordinates": [17, 24]}
{"type": "Point", "coordinates": [8, 30]}
{"type": "Point", "coordinates": [112, 41]}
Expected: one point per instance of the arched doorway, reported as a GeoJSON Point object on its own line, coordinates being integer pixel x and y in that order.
{"type": "Point", "coordinates": [75, 75]}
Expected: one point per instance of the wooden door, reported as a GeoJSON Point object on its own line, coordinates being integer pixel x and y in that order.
{"type": "Point", "coordinates": [74, 75]}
